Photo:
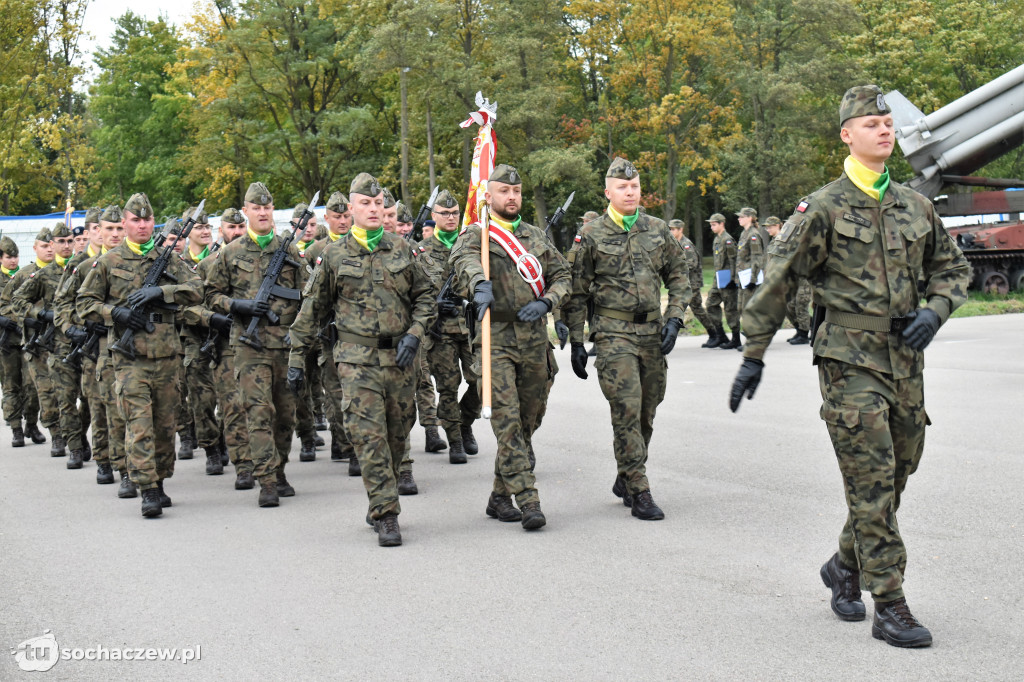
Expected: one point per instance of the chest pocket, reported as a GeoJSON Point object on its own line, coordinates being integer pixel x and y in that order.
{"type": "Point", "coordinates": [349, 278]}
{"type": "Point", "coordinates": [611, 252]}
{"type": "Point", "coordinates": [855, 231]}
{"type": "Point", "coordinates": [121, 282]}
{"type": "Point", "coordinates": [398, 271]}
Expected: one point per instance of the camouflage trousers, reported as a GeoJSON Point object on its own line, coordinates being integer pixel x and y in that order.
{"type": "Point", "coordinates": [379, 413]}
{"type": "Point", "coordinates": [148, 397]}
{"type": "Point", "coordinates": [633, 376]}
{"type": "Point", "coordinates": [97, 403]}
{"type": "Point", "coordinates": [717, 298]}
{"type": "Point", "coordinates": [696, 304]}
{"type": "Point", "coordinates": [67, 389]}
{"type": "Point", "coordinates": [116, 433]}
{"type": "Point", "coordinates": [426, 405]}
{"type": "Point", "coordinates": [183, 413]}
{"type": "Point", "coordinates": [446, 356]}
{"type": "Point", "coordinates": [262, 378]}
{"type": "Point", "coordinates": [20, 401]}
{"type": "Point", "coordinates": [744, 296]}
{"type": "Point", "coordinates": [334, 398]}
{"type": "Point", "coordinates": [202, 399]}
{"type": "Point", "coordinates": [305, 405]}
{"type": "Point", "coordinates": [49, 415]}
{"type": "Point", "coordinates": [798, 305]}
{"type": "Point", "coordinates": [520, 382]}
{"type": "Point", "coordinates": [877, 427]}
{"type": "Point", "coordinates": [232, 413]}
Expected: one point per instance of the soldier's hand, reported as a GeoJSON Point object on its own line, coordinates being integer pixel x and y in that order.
{"type": "Point", "coordinates": [221, 323]}
{"type": "Point", "coordinates": [144, 296]}
{"type": "Point", "coordinates": [669, 333]}
{"type": "Point", "coordinates": [483, 297]}
{"type": "Point", "coordinates": [296, 380]}
{"type": "Point", "coordinates": [95, 327]}
{"type": "Point", "coordinates": [746, 381]}
{"type": "Point", "coordinates": [578, 358]}
{"type": "Point", "coordinates": [8, 324]}
{"type": "Point", "coordinates": [406, 350]}
{"type": "Point", "coordinates": [562, 332]}
{"type": "Point", "coordinates": [248, 307]}
{"type": "Point", "coordinates": [30, 323]}
{"type": "Point", "coordinates": [534, 310]}
{"type": "Point", "coordinates": [447, 309]}
{"type": "Point", "coordinates": [126, 317]}
{"type": "Point", "coordinates": [45, 315]}
{"type": "Point", "coordinates": [78, 335]}
{"type": "Point", "coordinates": [922, 330]}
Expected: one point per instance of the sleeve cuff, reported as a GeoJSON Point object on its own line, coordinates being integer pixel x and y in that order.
{"type": "Point", "coordinates": [941, 306]}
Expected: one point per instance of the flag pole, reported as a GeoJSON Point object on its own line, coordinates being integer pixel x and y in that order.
{"type": "Point", "coordinates": [485, 330]}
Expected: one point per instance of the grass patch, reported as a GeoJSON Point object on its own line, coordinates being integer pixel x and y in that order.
{"type": "Point", "coordinates": [990, 304]}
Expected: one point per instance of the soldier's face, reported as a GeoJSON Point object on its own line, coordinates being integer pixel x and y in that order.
{"type": "Point", "coordinates": [201, 236]}
{"type": "Point", "coordinates": [623, 195]}
{"type": "Point", "coordinates": [367, 212]}
{"type": "Point", "coordinates": [63, 246]}
{"type": "Point", "coordinates": [428, 232]}
{"type": "Point", "coordinates": [310, 232]}
{"type": "Point", "coordinates": [81, 241]}
{"type": "Point", "coordinates": [772, 229]}
{"type": "Point", "coordinates": [447, 219]}
{"type": "Point", "coordinates": [505, 201]}
{"type": "Point", "coordinates": [261, 218]}
{"type": "Point", "coordinates": [745, 221]}
{"type": "Point", "coordinates": [677, 232]}
{"type": "Point", "coordinates": [389, 218]}
{"type": "Point", "coordinates": [870, 139]}
{"type": "Point", "coordinates": [717, 227]}
{"type": "Point", "coordinates": [137, 229]}
{"type": "Point", "coordinates": [229, 232]}
{"type": "Point", "coordinates": [95, 236]}
{"type": "Point", "coordinates": [44, 250]}
{"type": "Point", "coordinates": [172, 239]}
{"type": "Point", "coordinates": [112, 234]}
{"type": "Point", "coordinates": [8, 261]}
{"type": "Point", "coordinates": [338, 223]}
{"type": "Point", "coordinates": [403, 228]}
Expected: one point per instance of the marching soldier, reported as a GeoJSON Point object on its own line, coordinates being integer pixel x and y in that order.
{"type": "Point", "coordinates": [798, 301]}
{"type": "Point", "coordinates": [620, 265]}
{"type": "Point", "coordinates": [522, 363]}
{"type": "Point", "coordinates": [183, 418]}
{"type": "Point", "coordinates": [309, 404]}
{"type": "Point", "coordinates": [19, 398]}
{"type": "Point", "coordinates": [724, 250]}
{"type": "Point", "coordinates": [695, 270]}
{"type": "Point", "coordinates": [749, 254]}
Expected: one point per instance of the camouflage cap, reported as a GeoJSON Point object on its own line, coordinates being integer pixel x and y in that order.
{"type": "Point", "coordinates": [60, 230]}
{"type": "Point", "coordinates": [862, 100]}
{"type": "Point", "coordinates": [111, 214]}
{"type": "Point", "coordinates": [716, 218]}
{"type": "Point", "coordinates": [93, 215]}
{"type": "Point", "coordinates": [78, 230]}
{"type": "Point", "coordinates": [338, 203]}
{"type": "Point", "coordinates": [621, 169]}
{"type": "Point", "coordinates": [747, 211]}
{"type": "Point", "coordinates": [170, 224]}
{"type": "Point", "coordinates": [139, 205]}
{"type": "Point", "coordinates": [404, 214]}
{"type": "Point", "coordinates": [506, 174]}
{"type": "Point", "coordinates": [233, 216]}
{"type": "Point", "coordinates": [8, 247]}
{"type": "Point", "coordinates": [259, 194]}
{"type": "Point", "coordinates": [590, 216]}
{"type": "Point", "coordinates": [772, 220]}
{"type": "Point", "coordinates": [44, 235]}
{"type": "Point", "coordinates": [365, 184]}
{"type": "Point", "coordinates": [389, 198]}
{"type": "Point", "coordinates": [445, 200]}
{"type": "Point", "coordinates": [676, 224]}
{"type": "Point", "coordinates": [298, 211]}
{"type": "Point", "coordinates": [201, 219]}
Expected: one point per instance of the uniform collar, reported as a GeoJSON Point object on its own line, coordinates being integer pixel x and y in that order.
{"type": "Point", "coordinates": [856, 197]}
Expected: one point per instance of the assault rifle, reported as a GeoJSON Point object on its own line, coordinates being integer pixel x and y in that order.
{"type": "Point", "coordinates": [556, 219]}
{"type": "Point", "coordinates": [5, 334]}
{"type": "Point", "coordinates": [42, 337]}
{"type": "Point", "coordinates": [269, 286]}
{"type": "Point", "coordinates": [126, 344]}
{"type": "Point", "coordinates": [416, 233]}
{"type": "Point", "coordinates": [90, 347]}
{"type": "Point", "coordinates": [446, 295]}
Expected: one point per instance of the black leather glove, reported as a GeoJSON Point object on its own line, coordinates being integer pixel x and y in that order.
{"type": "Point", "coordinates": [248, 307]}
{"type": "Point", "coordinates": [45, 315]}
{"type": "Point", "coordinates": [562, 332]}
{"type": "Point", "coordinates": [448, 309]}
{"type": "Point", "coordinates": [406, 350]}
{"type": "Point", "coordinates": [126, 317]}
{"type": "Point", "coordinates": [746, 381]}
{"type": "Point", "coordinates": [534, 310]}
{"type": "Point", "coordinates": [296, 380]}
{"type": "Point", "coordinates": [578, 357]}
{"type": "Point", "coordinates": [94, 327]}
{"type": "Point", "coordinates": [922, 330]}
{"type": "Point", "coordinates": [8, 323]}
{"type": "Point", "coordinates": [78, 335]}
{"type": "Point", "coordinates": [483, 297]}
{"type": "Point", "coordinates": [669, 333]}
{"type": "Point", "coordinates": [221, 323]}
{"type": "Point", "coordinates": [144, 296]}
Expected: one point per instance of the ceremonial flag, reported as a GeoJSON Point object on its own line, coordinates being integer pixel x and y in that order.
{"type": "Point", "coordinates": [483, 156]}
{"type": "Point", "coordinates": [70, 209]}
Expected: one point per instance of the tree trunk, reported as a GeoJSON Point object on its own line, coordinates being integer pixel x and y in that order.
{"type": "Point", "coordinates": [539, 207]}
{"type": "Point", "coordinates": [671, 179]}
{"type": "Point", "coordinates": [403, 78]}
{"type": "Point", "coordinates": [430, 150]}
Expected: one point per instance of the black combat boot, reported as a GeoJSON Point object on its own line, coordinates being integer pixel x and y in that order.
{"type": "Point", "coordinates": [897, 626]}
{"type": "Point", "coordinates": [58, 446]}
{"type": "Point", "coordinates": [187, 446]}
{"type": "Point", "coordinates": [284, 488]}
{"type": "Point", "coordinates": [336, 452]}
{"type": "Point", "coordinates": [388, 532]}
{"type": "Point", "coordinates": [468, 439]}
{"type": "Point", "coordinates": [734, 342]}
{"type": "Point", "coordinates": [353, 465]}
{"type": "Point", "coordinates": [407, 484]}
{"type": "Point", "coordinates": [307, 453]}
{"type": "Point", "coordinates": [33, 432]}
{"type": "Point", "coordinates": [244, 480]}
{"type": "Point", "coordinates": [213, 461]}
{"type": "Point", "coordinates": [17, 436]}
{"type": "Point", "coordinates": [645, 508]}
{"type": "Point", "coordinates": [151, 506]}
{"type": "Point", "coordinates": [104, 473]}
{"type": "Point", "coordinates": [165, 501]}
{"type": "Point", "coordinates": [87, 454]}
{"type": "Point", "coordinates": [75, 460]}
{"type": "Point", "coordinates": [320, 422]}
{"type": "Point", "coordinates": [845, 585]}
{"type": "Point", "coordinates": [800, 338]}
{"type": "Point", "coordinates": [268, 492]}
{"type": "Point", "coordinates": [716, 337]}
{"type": "Point", "coordinates": [533, 517]}
{"type": "Point", "coordinates": [127, 489]}
{"type": "Point", "coordinates": [456, 449]}
{"type": "Point", "coordinates": [434, 442]}
{"type": "Point", "coordinates": [500, 507]}
{"type": "Point", "coordinates": [318, 440]}
{"type": "Point", "coordinates": [619, 489]}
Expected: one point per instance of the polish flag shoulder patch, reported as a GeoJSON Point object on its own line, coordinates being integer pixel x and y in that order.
{"type": "Point", "coordinates": [578, 239]}
{"type": "Point", "coordinates": [802, 207]}
{"type": "Point", "coordinates": [319, 260]}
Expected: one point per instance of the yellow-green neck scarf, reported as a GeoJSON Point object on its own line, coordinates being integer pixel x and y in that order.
{"type": "Point", "coordinates": [302, 246]}
{"type": "Point", "coordinates": [198, 257]}
{"type": "Point", "coordinates": [261, 239]}
{"type": "Point", "coordinates": [626, 222]}
{"type": "Point", "coordinates": [91, 252]}
{"type": "Point", "coordinates": [140, 249]}
{"type": "Point", "coordinates": [868, 181]}
{"type": "Point", "coordinates": [61, 261]}
{"type": "Point", "coordinates": [10, 272]}
{"type": "Point", "coordinates": [447, 238]}
{"type": "Point", "coordinates": [368, 238]}
{"type": "Point", "coordinates": [333, 237]}
{"type": "Point", "coordinates": [42, 263]}
{"type": "Point", "coordinates": [510, 226]}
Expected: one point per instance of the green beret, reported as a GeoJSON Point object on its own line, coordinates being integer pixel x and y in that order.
{"type": "Point", "coordinates": [44, 235]}
{"type": "Point", "coordinates": [60, 230]}
{"type": "Point", "coordinates": [201, 219]}
{"type": "Point", "coordinates": [365, 184]}
{"type": "Point", "coordinates": [139, 205]}
{"type": "Point", "coordinates": [676, 224]}
{"type": "Point", "coordinates": [389, 199]}
{"type": "Point", "coordinates": [445, 200]}
{"type": "Point", "coordinates": [862, 100]}
{"type": "Point", "coordinates": [298, 211]}
{"type": "Point", "coordinates": [772, 220]}
{"type": "Point", "coordinates": [8, 247]}
{"type": "Point", "coordinates": [259, 194]}
{"type": "Point", "coordinates": [93, 215]}
{"type": "Point", "coordinates": [505, 174]}
{"type": "Point", "coordinates": [621, 169]}
{"type": "Point", "coordinates": [337, 203]}
{"type": "Point", "coordinates": [233, 216]}
{"type": "Point", "coordinates": [404, 214]}
{"type": "Point", "coordinates": [111, 214]}
{"type": "Point", "coordinates": [747, 211]}
{"type": "Point", "coordinates": [716, 218]}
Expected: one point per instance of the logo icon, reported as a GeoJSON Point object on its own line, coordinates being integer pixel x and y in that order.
{"type": "Point", "coordinates": [37, 655]}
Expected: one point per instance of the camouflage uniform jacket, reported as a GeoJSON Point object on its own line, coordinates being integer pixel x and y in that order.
{"type": "Point", "coordinates": [119, 272]}
{"type": "Point", "coordinates": [238, 272]}
{"type": "Point", "coordinates": [750, 252]}
{"type": "Point", "coordinates": [724, 250]}
{"type": "Point", "coordinates": [510, 291]}
{"type": "Point", "coordinates": [864, 259]}
{"type": "Point", "coordinates": [374, 294]}
{"type": "Point", "coordinates": [12, 284]}
{"type": "Point", "coordinates": [439, 269]}
{"type": "Point", "coordinates": [623, 271]}
{"type": "Point", "coordinates": [694, 267]}
{"type": "Point", "coordinates": [36, 293]}
{"type": "Point", "coordinates": [65, 315]}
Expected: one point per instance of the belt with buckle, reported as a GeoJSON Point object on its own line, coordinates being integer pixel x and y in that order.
{"type": "Point", "coordinates": [381, 342]}
{"type": "Point", "coordinates": [627, 316]}
{"type": "Point", "coordinates": [868, 323]}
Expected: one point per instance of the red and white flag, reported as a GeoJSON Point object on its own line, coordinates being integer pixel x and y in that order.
{"type": "Point", "coordinates": [483, 156]}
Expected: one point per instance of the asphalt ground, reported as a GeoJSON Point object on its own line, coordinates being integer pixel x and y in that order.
{"type": "Point", "coordinates": [726, 587]}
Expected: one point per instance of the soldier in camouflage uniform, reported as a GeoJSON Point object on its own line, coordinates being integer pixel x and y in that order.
{"type": "Point", "coordinates": [186, 427]}
{"type": "Point", "coordinates": [522, 362]}
{"type": "Point", "coordinates": [750, 254]}
{"type": "Point", "coordinates": [19, 399]}
{"type": "Point", "coordinates": [231, 286]}
{"type": "Point", "coordinates": [724, 250]}
{"type": "Point", "coordinates": [872, 249]}
{"type": "Point", "coordinates": [620, 265]}
{"type": "Point", "coordinates": [798, 300]}
{"type": "Point", "coordinates": [383, 303]}
{"type": "Point", "coordinates": [695, 274]}
{"type": "Point", "coordinates": [310, 402]}
{"type": "Point", "coordinates": [112, 294]}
